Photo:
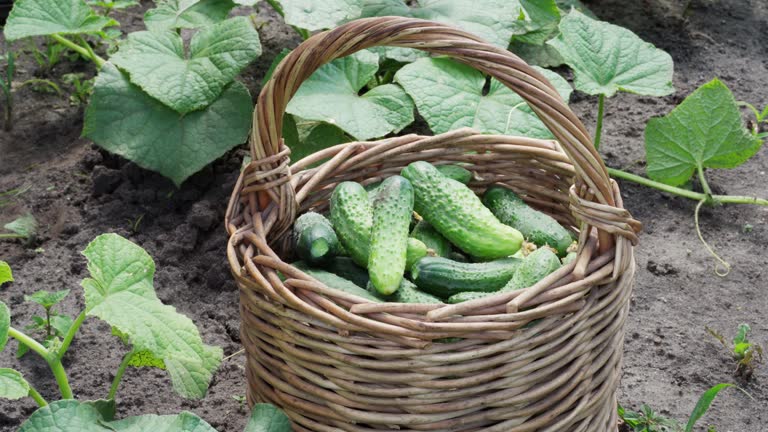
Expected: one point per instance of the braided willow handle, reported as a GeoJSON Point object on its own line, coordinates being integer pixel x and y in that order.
{"type": "Point", "coordinates": [440, 39]}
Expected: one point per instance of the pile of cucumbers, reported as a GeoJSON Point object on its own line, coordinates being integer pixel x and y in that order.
{"type": "Point", "coordinates": [425, 237]}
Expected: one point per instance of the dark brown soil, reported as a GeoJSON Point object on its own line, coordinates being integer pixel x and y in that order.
{"type": "Point", "coordinates": [77, 192]}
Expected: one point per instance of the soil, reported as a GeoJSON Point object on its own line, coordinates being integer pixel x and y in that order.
{"type": "Point", "coordinates": [77, 191]}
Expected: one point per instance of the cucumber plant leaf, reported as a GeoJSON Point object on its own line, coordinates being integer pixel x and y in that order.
{"type": "Point", "coordinates": [5, 324]}
{"type": "Point", "coordinates": [320, 14]}
{"type": "Point", "coordinates": [566, 5]}
{"type": "Point", "coordinates": [47, 17]}
{"type": "Point", "coordinates": [538, 21]}
{"type": "Point", "coordinates": [114, 4]}
{"type": "Point", "coordinates": [449, 95]}
{"type": "Point", "coordinates": [156, 62]}
{"type": "Point", "coordinates": [267, 418]}
{"type": "Point", "coordinates": [47, 299]}
{"type": "Point", "coordinates": [331, 95]}
{"type": "Point", "coordinates": [182, 422]}
{"type": "Point", "coordinates": [25, 226]}
{"type": "Point", "coordinates": [69, 415]}
{"type": "Point", "coordinates": [12, 384]}
{"type": "Point", "coordinates": [6, 275]}
{"type": "Point", "coordinates": [174, 14]}
{"type": "Point", "coordinates": [492, 20]}
{"type": "Point", "coordinates": [704, 131]}
{"type": "Point", "coordinates": [124, 120]}
{"type": "Point", "coordinates": [540, 55]}
{"type": "Point", "coordinates": [606, 58]}
{"type": "Point", "coordinates": [120, 291]}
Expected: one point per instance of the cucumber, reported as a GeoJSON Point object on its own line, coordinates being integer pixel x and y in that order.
{"type": "Point", "coordinates": [444, 278]}
{"type": "Point", "coordinates": [407, 292]}
{"type": "Point", "coordinates": [352, 216]}
{"type": "Point", "coordinates": [537, 227]}
{"type": "Point", "coordinates": [459, 215]}
{"type": "Point", "coordinates": [346, 268]}
{"type": "Point", "coordinates": [335, 281]}
{"type": "Point", "coordinates": [460, 174]}
{"type": "Point", "coordinates": [534, 268]}
{"type": "Point", "coordinates": [571, 256]}
{"type": "Point", "coordinates": [431, 238]}
{"type": "Point", "coordinates": [315, 239]}
{"type": "Point", "coordinates": [392, 212]}
{"type": "Point", "coordinates": [415, 250]}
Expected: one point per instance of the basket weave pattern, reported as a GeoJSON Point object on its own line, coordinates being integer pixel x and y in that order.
{"type": "Point", "coordinates": [336, 362]}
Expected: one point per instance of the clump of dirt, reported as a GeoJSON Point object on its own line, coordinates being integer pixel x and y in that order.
{"type": "Point", "coordinates": [77, 192]}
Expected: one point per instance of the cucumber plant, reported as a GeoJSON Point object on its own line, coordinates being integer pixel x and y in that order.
{"type": "Point", "coordinates": [746, 354]}
{"type": "Point", "coordinates": [167, 108]}
{"type": "Point", "coordinates": [53, 326]}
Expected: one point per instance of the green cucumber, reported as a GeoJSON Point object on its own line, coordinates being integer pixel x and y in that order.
{"type": "Point", "coordinates": [346, 268]}
{"type": "Point", "coordinates": [352, 216]}
{"type": "Point", "coordinates": [534, 268]}
{"type": "Point", "coordinates": [570, 257]}
{"type": "Point", "coordinates": [315, 239]}
{"type": "Point", "coordinates": [335, 281]}
{"type": "Point", "coordinates": [392, 212]}
{"type": "Point", "coordinates": [444, 278]}
{"type": "Point", "coordinates": [456, 172]}
{"type": "Point", "coordinates": [407, 292]}
{"type": "Point", "coordinates": [459, 215]}
{"type": "Point", "coordinates": [537, 227]}
{"type": "Point", "coordinates": [416, 250]}
{"type": "Point", "coordinates": [434, 240]}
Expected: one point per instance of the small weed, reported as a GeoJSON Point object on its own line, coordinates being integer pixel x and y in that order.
{"type": "Point", "coordinates": [81, 88]}
{"type": "Point", "coordinates": [23, 228]}
{"type": "Point", "coordinates": [747, 355]}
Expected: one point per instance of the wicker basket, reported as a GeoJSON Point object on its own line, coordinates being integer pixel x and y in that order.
{"type": "Point", "coordinates": [336, 362]}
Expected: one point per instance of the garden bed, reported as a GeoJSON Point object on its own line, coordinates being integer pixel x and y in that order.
{"type": "Point", "coordinates": [77, 192]}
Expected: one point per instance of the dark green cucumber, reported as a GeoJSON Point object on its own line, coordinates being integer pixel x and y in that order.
{"type": "Point", "coordinates": [392, 212]}
{"type": "Point", "coordinates": [460, 174]}
{"type": "Point", "coordinates": [315, 240]}
{"type": "Point", "coordinates": [335, 281]}
{"type": "Point", "coordinates": [415, 250]}
{"type": "Point", "coordinates": [459, 257]}
{"type": "Point", "coordinates": [434, 240]}
{"type": "Point", "coordinates": [444, 278]}
{"type": "Point", "coordinates": [352, 217]}
{"type": "Point", "coordinates": [346, 268]}
{"type": "Point", "coordinates": [537, 227]}
{"type": "Point", "coordinates": [459, 215]}
{"type": "Point", "coordinates": [407, 292]}
{"type": "Point", "coordinates": [534, 268]}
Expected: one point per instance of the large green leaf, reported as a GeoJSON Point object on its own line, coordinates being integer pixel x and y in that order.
{"type": "Point", "coordinates": [331, 95]}
{"type": "Point", "coordinates": [267, 418]}
{"type": "Point", "coordinates": [539, 22]}
{"type": "Point", "coordinates": [6, 275]}
{"type": "Point", "coordinates": [607, 58]}
{"type": "Point", "coordinates": [492, 20]}
{"type": "Point", "coordinates": [704, 131]}
{"type": "Point", "coordinates": [156, 62]}
{"type": "Point", "coordinates": [69, 415]}
{"type": "Point", "coordinates": [5, 324]}
{"type": "Point", "coordinates": [173, 14]}
{"type": "Point", "coordinates": [320, 14]}
{"type": "Point", "coordinates": [12, 384]}
{"type": "Point", "coordinates": [47, 299]}
{"type": "Point", "coordinates": [124, 120]}
{"type": "Point", "coordinates": [120, 292]}
{"type": "Point", "coordinates": [449, 95]}
{"type": "Point", "coordinates": [182, 422]}
{"type": "Point", "coordinates": [47, 17]}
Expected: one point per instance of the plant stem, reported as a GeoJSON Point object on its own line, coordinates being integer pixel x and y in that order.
{"type": "Point", "coordinates": [71, 334]}
{"type": "Point", "coordinates": [703, 181]}
{"type": "Point", "coordinates": [600, 112]}
{"type": "Point", "coordinates": [119, 375]}
{"type": "Point", "coordinates": [52, 358]}
{"type": "Point", "coordinates": [12, 236]}
{"type": "Point", "coordinates": [36, 396]}
{"type": "Point", "coordinates": [696, 196]}
{"type": "Point", "coordinates": [86, 52]}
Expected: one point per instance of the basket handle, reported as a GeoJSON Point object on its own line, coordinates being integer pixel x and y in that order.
{"type": "Point", "coordinates": [436, 38]}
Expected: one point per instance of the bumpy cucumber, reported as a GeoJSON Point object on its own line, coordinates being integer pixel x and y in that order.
{"type": "Point", "coordinates": [352, 216]}
{"type": "Point", "coordinates": [444, 278]}
{"type": "Point", "coordinates": [461, 175]}
{"type": "Point", "coordinates": [534, 268]}
{"type": "Point", "coordinates": [537, 227]}
{"type": "Point", "coordinates": [407, 292]}
{"type": "Point", "coordinates": [335, 281]}
{"type": "Point", "coordinates": [459, 215]}
{"type": "Point", "coordinates": [416, 250]}
{"type": "Point", "coordinates": [392, 212]}
{"type": "Point", "coordinates": [434, 240]}
{"type": "Point", "coordinates": [316, 241]}
{"type": "Point", "coordinates": [346, 268]}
